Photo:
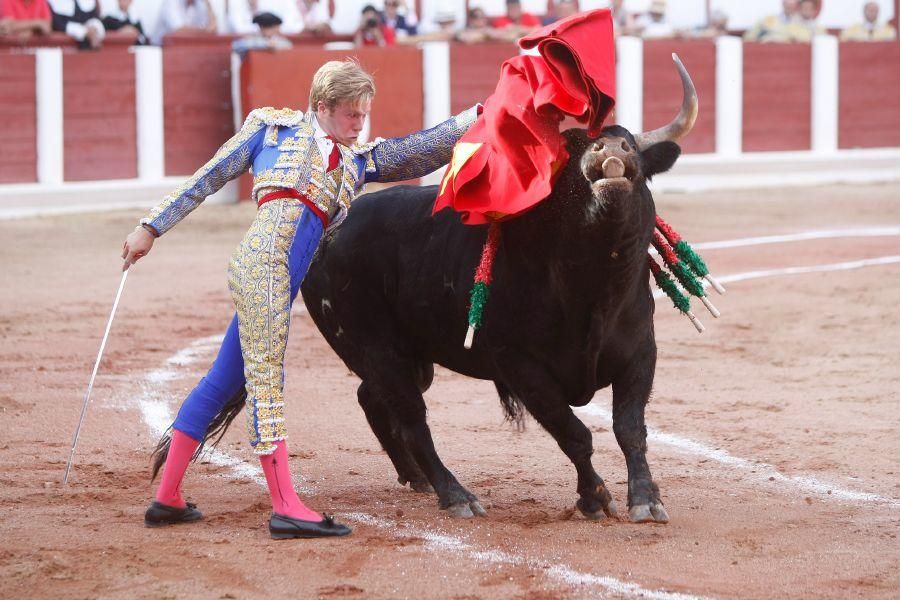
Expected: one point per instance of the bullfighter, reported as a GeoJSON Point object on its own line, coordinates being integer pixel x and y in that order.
{"type": "Point", "coordinates": [307, 169]}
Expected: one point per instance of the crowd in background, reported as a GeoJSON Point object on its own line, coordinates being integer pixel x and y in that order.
{"type": "Point", "coordinates": [269, 24]}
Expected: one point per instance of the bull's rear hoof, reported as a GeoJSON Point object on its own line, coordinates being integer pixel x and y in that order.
{"type": "Point", "coordinates": [648, 513]}
{"type": "Point", "coordinates": [466, 510]}
{"type": "Point", "coordinates": [422, 487]}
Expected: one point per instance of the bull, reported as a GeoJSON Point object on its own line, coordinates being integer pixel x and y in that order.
{"type": "Point", "coordinates": [570, 312]}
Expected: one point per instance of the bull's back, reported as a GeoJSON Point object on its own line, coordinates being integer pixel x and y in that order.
{"type": "Point", "coordinates": [393, 277]}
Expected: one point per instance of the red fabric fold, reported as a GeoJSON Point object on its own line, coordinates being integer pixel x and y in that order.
{"type": "Point", "coordinates": [506, 163]}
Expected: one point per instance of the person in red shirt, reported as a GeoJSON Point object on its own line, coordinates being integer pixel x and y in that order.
{"type": "Point", "coordinates": [24, 18]}
{"type": "Point", "coordinates": [515, 17]}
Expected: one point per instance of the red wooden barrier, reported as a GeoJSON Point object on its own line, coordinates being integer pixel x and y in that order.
{"type": "Point", "coordinates": [869, 105]}
{"type": "Point", "coordinates": [18, 152]}
{"type": "Point", "coordinates": [777, 97]}
{"type": "Point", "coordinates": [662, 88]}
{"type": "Point", "coordinates": [99, 121]}
{"type": "Point", "coordinates": [474, 71]}
{"type": "Point", "coordinates": [197, 109]}
{"type": "Point", "coordinates": [283, 79]}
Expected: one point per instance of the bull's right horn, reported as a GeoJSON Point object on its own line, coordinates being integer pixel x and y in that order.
{"type": "Point", "coordinates": [684, 122]}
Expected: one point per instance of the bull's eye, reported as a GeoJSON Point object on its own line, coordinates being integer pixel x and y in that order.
{"type": "Point", "coordinates": [625, 146]}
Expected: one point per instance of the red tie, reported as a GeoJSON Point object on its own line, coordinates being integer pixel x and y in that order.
{"type": "Point", "coordinates": [334, 159]}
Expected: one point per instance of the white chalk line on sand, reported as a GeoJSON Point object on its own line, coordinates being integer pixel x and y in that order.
{"type": "Point", "coordinates": [454, 545]}
{"type": "Point", "coordinates": [760, 470]}
{"type": "Point", "coordinates": [154, 407]}
{"type": "Point", "coordinates": [827, 268]}
{"type": "Point", "coordinates": [856, 232]}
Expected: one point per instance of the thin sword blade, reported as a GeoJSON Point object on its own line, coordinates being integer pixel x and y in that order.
{"type": "Point", "coordinates": [87, 394]}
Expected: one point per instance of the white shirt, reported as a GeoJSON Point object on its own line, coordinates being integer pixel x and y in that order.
{"type": "Point", "coordinates": [176, 15]}
{"type": "Point", "coordinates": [240, 17]}
{"type": "Point", "coordinates": [75, 30]}
{"type": "Point", "coordinates": [322, 140]}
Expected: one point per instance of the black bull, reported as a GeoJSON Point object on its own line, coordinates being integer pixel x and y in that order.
{"type": "Point", "coordinates": [570, 311]}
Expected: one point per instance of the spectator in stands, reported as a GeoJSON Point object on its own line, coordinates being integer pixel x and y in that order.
{"type": "Point", "coordinates": [478, 28]}
{"type": "Point", "coordinates": [122, 22]}
{"type": "Point", "coordinates": [398, 18]}
{"type": "Point", "coordinates": [869, 30]}
{"type": "Point", "coordinates": [242, 13]}
{"type": "Point", "coordinates": [268, 37]}
{"type": "Point", "coordinates": [443, 28]}
{"type": "Point", "coordinates": [80, 20]}
{"type": "Point", "coordinates": [718, 25]}
{"type": "Point", "coordinates": [186, 16]}
{"type": "Point", "coordinates": [372, 31]}
{"type": "Point", "coordinates": [806, 27]}
{"type": "Point", "coordinates": [653, 24]}
{"type": "Point", "coordinates": [516, 21]}
{"type": "Point", "coordinates": [561, 10]}
{"type": "Point", "coordinates": [314, 14]}
{"type": "Point", "coordinates": [21, 19]}
{"type": "Point", "coordinates": [773, 28]}
{"type": "Point", "coordinates": [623, 20]}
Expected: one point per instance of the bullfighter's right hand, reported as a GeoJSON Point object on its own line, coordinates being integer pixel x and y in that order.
{"type": "Point", "coordinates": [137, 245]}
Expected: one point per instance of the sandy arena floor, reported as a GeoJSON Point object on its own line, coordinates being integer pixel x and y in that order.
{"type": "Point", "coordinates": [774, 435]}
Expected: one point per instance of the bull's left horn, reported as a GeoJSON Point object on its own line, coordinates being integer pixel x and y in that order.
{"type": "Point", "coordinates": [684, 122]}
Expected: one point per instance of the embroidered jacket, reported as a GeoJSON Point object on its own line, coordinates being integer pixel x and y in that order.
{"type": "Point", "coordinates": [280, 149]}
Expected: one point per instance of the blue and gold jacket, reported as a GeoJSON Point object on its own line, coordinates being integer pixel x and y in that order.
{"type": "Point", "coordinates": [279, 147]}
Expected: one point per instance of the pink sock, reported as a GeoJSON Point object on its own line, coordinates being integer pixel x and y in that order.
{"type": "Point", "coordinates": [180, 452]}
{"type": "Point", "coordinates": [285, 501]}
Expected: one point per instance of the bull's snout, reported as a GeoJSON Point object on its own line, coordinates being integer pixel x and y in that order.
{"type": "Point", "coordinates": [609, 158]}
{"type": "Point", "coordinates": [610, 165]}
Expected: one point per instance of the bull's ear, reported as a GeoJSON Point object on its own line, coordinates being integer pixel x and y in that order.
{"type": "Point", "coordinates": [660, 157]}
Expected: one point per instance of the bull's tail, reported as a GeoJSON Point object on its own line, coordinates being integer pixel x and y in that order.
{"type": "Point", "coordinates": [214, 432]}
{"type": "Point", "coordinates": [513, 409]}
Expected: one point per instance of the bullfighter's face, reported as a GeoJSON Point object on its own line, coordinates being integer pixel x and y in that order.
{"type": "Point", "coordinates": [345, 121]}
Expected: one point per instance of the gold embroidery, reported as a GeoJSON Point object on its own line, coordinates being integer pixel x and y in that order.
{"type": "Point", "coordinates": [421, 153]}
{"type": "Point", "coordinates": [260, 282]}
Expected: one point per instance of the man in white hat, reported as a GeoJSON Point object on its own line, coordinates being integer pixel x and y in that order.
{"type": "Point", "coordinates": [654, 24]}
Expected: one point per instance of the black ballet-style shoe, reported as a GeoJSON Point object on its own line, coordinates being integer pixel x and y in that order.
{"type": "Point", "coordinates": [159, 515]}
{"type": "Point", "coordinates": [285, 528]}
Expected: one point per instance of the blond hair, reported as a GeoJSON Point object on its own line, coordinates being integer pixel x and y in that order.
{"type": "Point", "coordinates": [340, 80]}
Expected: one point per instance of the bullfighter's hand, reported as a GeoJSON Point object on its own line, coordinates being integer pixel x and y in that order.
{"type": "Point", "coordinates": [137, 245]}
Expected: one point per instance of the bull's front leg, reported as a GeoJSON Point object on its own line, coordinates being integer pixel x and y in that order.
{"type": "Point", "coordinates": [542, 396]}
{"type": "Point", "coordinates": [631, 392]}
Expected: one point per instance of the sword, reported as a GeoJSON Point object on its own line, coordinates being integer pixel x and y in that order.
{"type": "Point", "coordinates": [87, 394]}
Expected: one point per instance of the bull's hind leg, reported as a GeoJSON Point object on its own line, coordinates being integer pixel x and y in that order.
{"type": "Point", "coordinates": [393, 381]}
{"type": "Point", "coordinates": [387, 430]}
{"type": "Point", "coordinates": [631, 391]}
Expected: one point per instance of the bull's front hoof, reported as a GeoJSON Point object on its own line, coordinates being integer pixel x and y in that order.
{"type": "Point", "coordinates": [648, 513]}
{"type": "Point", "coordinates": [466, 510]}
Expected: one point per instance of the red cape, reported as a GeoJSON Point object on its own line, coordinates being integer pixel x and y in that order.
{"type": "Point", "coordinates": [506, 162]}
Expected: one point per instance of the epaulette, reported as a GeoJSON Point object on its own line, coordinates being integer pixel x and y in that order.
{"type": "Point", "coordinates": [284, 117]}
{"type": "Point", "coordinates": [367, 147]}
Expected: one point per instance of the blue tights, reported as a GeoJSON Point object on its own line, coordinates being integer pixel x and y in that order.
{"type": "Point", "coordinates": [225, 378]}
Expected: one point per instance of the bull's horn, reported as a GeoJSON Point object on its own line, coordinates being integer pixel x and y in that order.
{"type": "Point", "coordinates": [683, 123]}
